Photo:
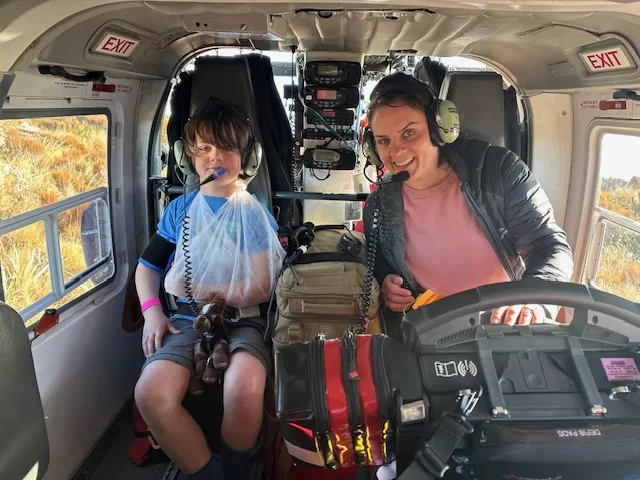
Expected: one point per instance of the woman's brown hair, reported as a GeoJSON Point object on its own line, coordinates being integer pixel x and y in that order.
{"type": "Point", "coordinates": [401, 89]}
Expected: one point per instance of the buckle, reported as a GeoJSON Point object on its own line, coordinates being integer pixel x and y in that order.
{"type": "Point", "coordinates": [294, 332]}
{"type": "Point", "coordinates": [468, 399]}
{"type": "Point", "coordinates": [431, 462]}
{"type": "Point", "coordinates": [252, 311]}
{"type": "Point", "coordinates": [461, 420]}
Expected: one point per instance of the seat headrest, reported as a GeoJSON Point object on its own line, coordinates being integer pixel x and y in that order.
{"type": "Point", "coordinates": [229, 78]}
{"type": "Point", "coordinates": [479, 97]}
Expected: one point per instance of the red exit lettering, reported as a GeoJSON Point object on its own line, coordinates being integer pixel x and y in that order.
{"type": "Point", "coordinates": [117, 45]}
{"type": "Point", "coordinates": [113, 44]}
{"type": "Point", "coordinates": [604, 60]}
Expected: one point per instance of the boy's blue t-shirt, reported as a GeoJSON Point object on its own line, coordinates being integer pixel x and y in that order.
{"type": "Point", "coordinates": [170, 224]}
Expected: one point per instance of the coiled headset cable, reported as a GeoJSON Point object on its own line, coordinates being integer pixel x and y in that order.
{"type": "Point", "coordinates": [186, 223]}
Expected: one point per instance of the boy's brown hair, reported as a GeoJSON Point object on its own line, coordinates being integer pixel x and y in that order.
{"type": "Point", "coordinates": [221, 126]}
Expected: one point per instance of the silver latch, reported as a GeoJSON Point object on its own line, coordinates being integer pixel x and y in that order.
{"type": "Point", "coordinates": [413, 412]}
{"type": "Point", "coordinates": [621, 391]}
{"type": "Point", "coordinates": [500, 411]}
{"type": "Point", "coordinates": [468, 399]}
{"type": "Point", "coordinates": [617, 392]}
{"type": "Point", "coordinates": [598, 410]}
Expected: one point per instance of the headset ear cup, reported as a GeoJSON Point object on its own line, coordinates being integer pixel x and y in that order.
{"type": "Point", "coordinates": [183, 162]}
{"type": "Point", "coordinates": [251, 159]}
{"type": "Point", "coordinates": [448, 121]}
{"type": "Point", "coordinates": [444, 122]}
{"type": "Point", "coordinates": [369, 148]}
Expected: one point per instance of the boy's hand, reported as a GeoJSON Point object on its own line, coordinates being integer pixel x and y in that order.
{"type": "Point", "coordinates": [156, 324]}
{"type": "Point", "coordinates": [395, 297]}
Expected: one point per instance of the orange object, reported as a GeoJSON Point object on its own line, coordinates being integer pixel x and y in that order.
{"type": "Point", "coordinates": [425, 298]}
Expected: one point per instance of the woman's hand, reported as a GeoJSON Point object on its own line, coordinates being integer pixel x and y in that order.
{"type": "Point", "coordinates": [395, 297]}
{"type": "Point", "coordinates": [156, 324]}
{"type": "Point", "coordinates": [519, 315]}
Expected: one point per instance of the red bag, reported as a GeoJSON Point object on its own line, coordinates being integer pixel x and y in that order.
{"type": "Point", "coordinates": [335, 398]}
{"type": "Point", "coordinates": [143, 449]}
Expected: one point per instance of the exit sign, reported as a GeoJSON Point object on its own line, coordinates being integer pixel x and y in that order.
{"type": "Point", "coordinates": [607, 60]}
{"type": "Point", "coordinates": [116, 45]}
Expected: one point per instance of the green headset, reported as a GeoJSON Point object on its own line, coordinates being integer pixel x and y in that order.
{"type": "Point", "coordinates": [251, 156]}
{"type": "Point", "coordinates": [443, 121]}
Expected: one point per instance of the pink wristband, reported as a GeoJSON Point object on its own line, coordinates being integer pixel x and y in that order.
{"type": "Point", "coordinates": [150, 303]}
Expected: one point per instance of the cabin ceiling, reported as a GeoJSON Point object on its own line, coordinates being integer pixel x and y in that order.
{"type": "Point", "coordinates": [537, 42]}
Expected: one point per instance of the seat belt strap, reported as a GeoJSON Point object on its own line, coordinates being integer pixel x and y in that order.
{"type": "Point", "coordinates": [432, 457]}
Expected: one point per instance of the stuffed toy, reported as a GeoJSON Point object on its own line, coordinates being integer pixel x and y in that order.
{"type": "Point", "coordinates": [211, 352]}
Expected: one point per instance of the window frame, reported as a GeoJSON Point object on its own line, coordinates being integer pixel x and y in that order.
{"type": "Point", "coordinates": [598, 215]}
{"type": "Point", "coordinates": [84, 197]}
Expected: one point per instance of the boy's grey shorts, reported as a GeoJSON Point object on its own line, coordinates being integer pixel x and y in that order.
{"type": "Point", "coordinates": [179, 347]}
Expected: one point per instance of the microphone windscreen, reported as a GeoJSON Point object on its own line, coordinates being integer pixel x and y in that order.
{"type": "Point", "coordinates": [401, 176]}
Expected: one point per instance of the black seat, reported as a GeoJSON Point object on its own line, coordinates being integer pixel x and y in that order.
{"type": "Point", "coordinates": [247, 82]}
{"type": "Point", "coordinates": [487, 110]}
{"type": "Point", "coordinates": [213, 77]}
{"type": "Point", "coordinates": [24, 446]}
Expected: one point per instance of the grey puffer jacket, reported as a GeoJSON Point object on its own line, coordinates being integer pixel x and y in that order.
{"type": "Point", "coordinates": [505, 197]}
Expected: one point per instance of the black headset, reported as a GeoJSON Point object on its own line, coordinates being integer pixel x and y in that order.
{"type": "Point", "coordinates": [251, 156]}
{"type": "Point", "coordinates": [443, 121]}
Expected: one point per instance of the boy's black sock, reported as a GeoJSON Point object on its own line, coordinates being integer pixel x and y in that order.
{"type": "Point", "coordinates": [211, 471]}
{"type": "Point", "coordinates": [238, 465]}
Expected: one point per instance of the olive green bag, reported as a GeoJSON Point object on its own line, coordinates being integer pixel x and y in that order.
{"type": "Point", "coordinates": [323, 290]}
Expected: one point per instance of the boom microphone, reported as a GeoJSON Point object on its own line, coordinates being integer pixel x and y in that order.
{"type": "Point", "coordinates": [402, 176]}
{"type": "Point", "coordinates": [216, 174]}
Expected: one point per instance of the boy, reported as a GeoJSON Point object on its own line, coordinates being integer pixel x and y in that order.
{"type": "Point", "coordinates": [215, 138]}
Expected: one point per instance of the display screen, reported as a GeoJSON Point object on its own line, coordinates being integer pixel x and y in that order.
{"type": "Point", "coordinates": [328, 70]}
{"type": "Point", "coordinates": [328, 113]}
{"type": "Point", "coordinates": [326, 94]}
{"type": "Point", "coordinates": [325, 156]}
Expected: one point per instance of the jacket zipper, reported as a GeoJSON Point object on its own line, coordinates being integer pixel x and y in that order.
{"type": "Point", "coordinates": [488, 231]}
{"type": "Point", "coordinates": [351, 378]}
{"type": "Point", "coordinates": [323, 434]}
{"type": "Point", "coordinates": [383, 395]}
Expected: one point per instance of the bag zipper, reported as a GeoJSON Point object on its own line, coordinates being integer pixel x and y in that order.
{"type": "Point", "coordinates": [383, 394]}
{"type": "Point", "coordinates": [352, 298]}
{"type": "Point", "coordinates": [489, 232]}
{"type": "Point", "coordinates": [351, 378]}
{"type": "Point", "coordinates": [308, 258]}
{"type": "Point", "coordinates": [289, 293]}
{"type": "Point", "coordinates": [324, 437]}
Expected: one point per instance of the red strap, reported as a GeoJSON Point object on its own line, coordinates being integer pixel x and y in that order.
{"type": "Point", "coordinates": [369, 399]}
{"type": "Point", "coordinates": [48, 320]}
{"type": "Point", "coordinates": [139, 425]}
{"type": "Point", "coordinates": [337, 402]}
{"type": "Point", "coordinates": [297, 472]}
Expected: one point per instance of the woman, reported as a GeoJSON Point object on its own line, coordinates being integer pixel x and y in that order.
{"type": "Point", "coordinates": [470, 214]}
